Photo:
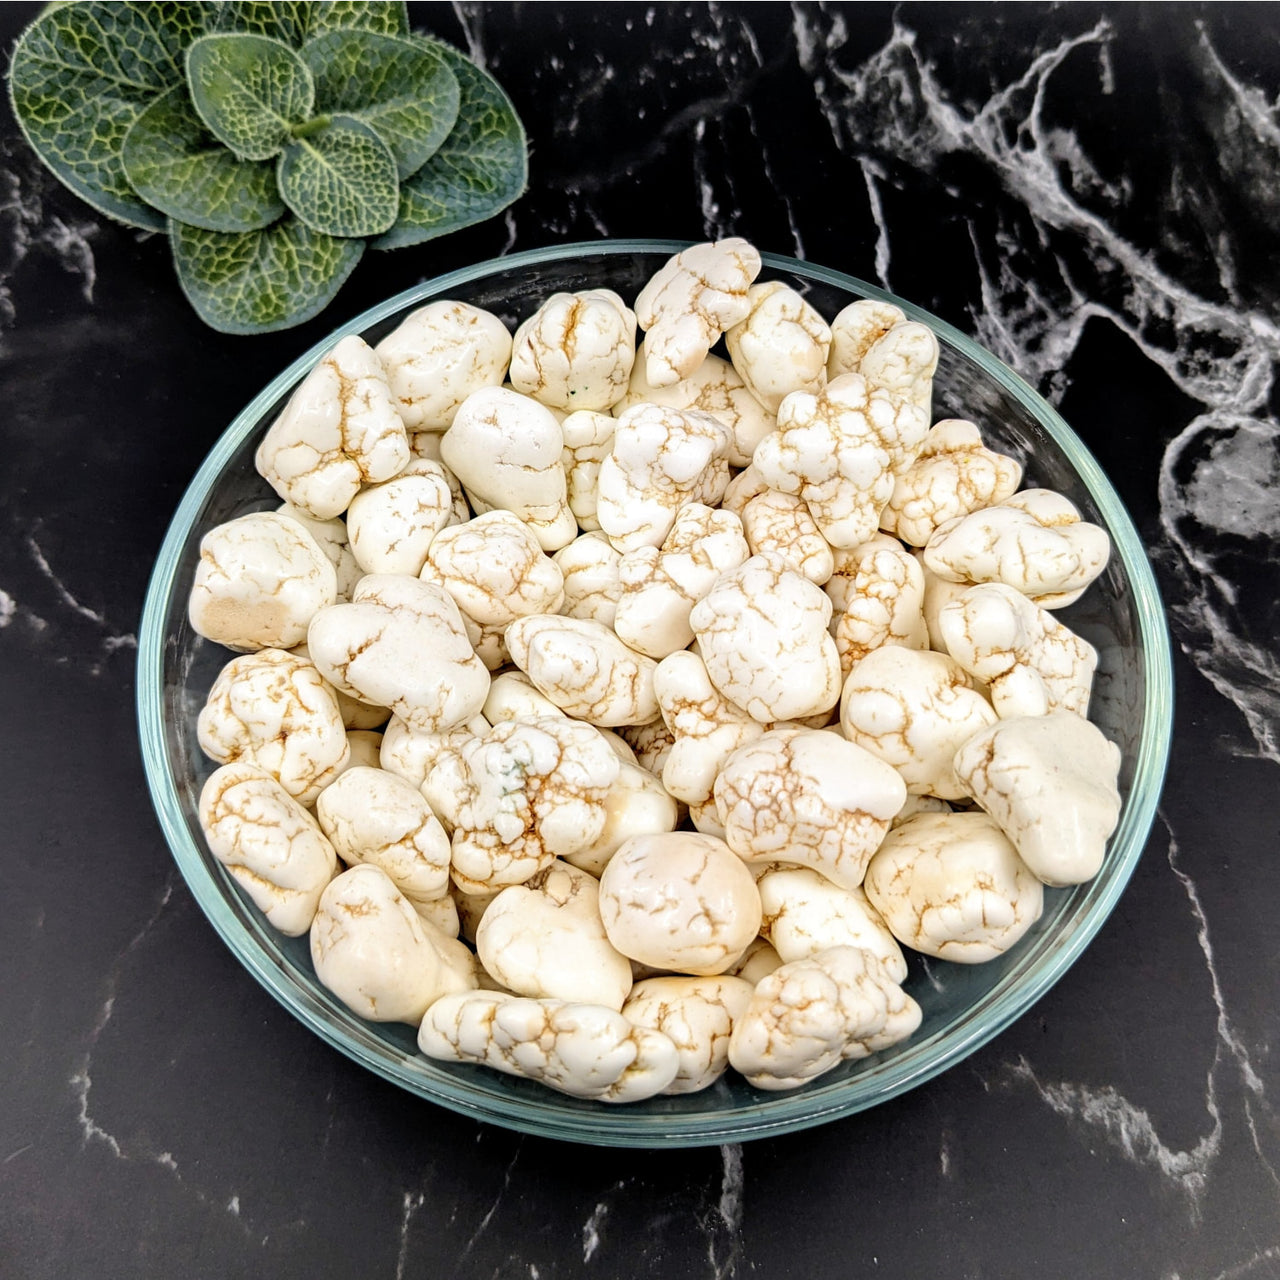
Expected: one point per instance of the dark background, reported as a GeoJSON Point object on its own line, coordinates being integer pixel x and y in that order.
{"type": "Point", "coordinates": [1094, 193]}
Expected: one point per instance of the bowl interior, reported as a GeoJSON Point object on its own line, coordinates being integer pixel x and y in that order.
{"type": "Point", "coordinates": [963, 1006]}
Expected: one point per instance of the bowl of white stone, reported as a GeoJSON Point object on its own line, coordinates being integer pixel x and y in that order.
{"type": "Point", "coordinates": [653, 695]}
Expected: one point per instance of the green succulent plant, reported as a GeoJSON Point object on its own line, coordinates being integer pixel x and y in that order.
{"type": "Point", "coordinates": [273, 140]}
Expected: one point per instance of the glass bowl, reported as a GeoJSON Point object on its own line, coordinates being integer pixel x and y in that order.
{"type": "Point", "coordinates": [964, 1006]}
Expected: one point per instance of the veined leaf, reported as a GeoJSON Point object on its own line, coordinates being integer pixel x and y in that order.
{"type": "Point", "coordinates": [481, 168]}
{"type": "Point", "coordinates": [249, 90]}
{"type": "Point", "coordinates": [280, 19]}
{"type": "Point", "coordinates": [340, 180]}
{"type": "Point", "coordinates": [385, 17]}
{"type": "Point", "coordinates": [295, 21]}
{"type": "Point", "coordinates": [261, 281]}
{"type": "Point", "coordinates": [178, 166]}
{"type": "Point", "coordinates": [402, 89]}
{"type": "Point", "coordinates": [81, 75]}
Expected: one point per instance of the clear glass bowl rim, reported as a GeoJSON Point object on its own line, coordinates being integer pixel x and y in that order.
{"type": "Point", "coordinates": [482, 1097]}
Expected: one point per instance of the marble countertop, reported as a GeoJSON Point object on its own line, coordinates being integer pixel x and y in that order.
{"type": "Point", "coordinates": [1093, 192]}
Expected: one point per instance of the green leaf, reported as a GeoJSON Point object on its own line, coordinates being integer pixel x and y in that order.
{"type": "Point", "coordinates": [401, 89]}
{"type": "Point", "coordinates": [81, 75]}
{"type": "Point", "coordinates": [294, 21]}
{"type": "Point", "coordinates": [249, 90]}
{"type": "Point", "coordinates": [261, 281]}
{"type": "Point", "coordinates": [178, 166]}
{"type": "Point", "coordinates": [341, 180]}
{"type": "Point", "coordinates": [481, 168]}
{"type": "Point", "coordinates": [384, 17]}
{"type": "Point", "coordinates": [280, 19]}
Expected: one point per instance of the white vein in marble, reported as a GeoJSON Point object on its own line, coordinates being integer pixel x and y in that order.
{"type": "Point", "coordinates": [413, 1201]}
{"type": "Point", "coordinates": [1220, 351]}
{"type": "Point", "coordinates": [28, 228]}
{"type": "Point", "coordinates": [492, 1210]}
{"type": "Point", "coordinates": [591, 1230]}
{"type": "Point", "coordinates": [872, 175]}
{"type": "Point", "coordinates": [723, 1225]}
{"type": "Point", "coordinates": [112, 641]}
{"type": "Point", "coordinates": [1130, 1129]}
{"type": "Point", "coordinates": [80, 1081]}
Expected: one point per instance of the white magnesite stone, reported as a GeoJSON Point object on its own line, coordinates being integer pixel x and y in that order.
{"type": "Point", "coordinates": [762, 632]}
{"type": "Point", "coordinates": [679, 901]}
{"type": "Point", "coordinates": [805, 913]}
{"type": "Point", "coordinates": [585, 1050]}
{"type": "Point", "coordinates": [340, 430]}
{"type": "Point", "coordinates": [355, 714]}
{"type": "Point", "coordinates": [412, 755]}
{"type": "Point", "coordinates": [331, 538]}
{"type": "Point", "coordinates": [545, 938]}
{"type": "Point", "coordinates": [495, 570]}
{"type": "Point", "coordinates": [378, 956]}
{"type": "Point", "coordinates": [637, 805]}
{"type": "Point", "coordinates": [692, 299]}
{"type": "Point", "coordinates": [508, 452]}
{"type": "Point", "coordinates": [372, 816]}
{"type": "Point", "coordinates": [274, 710]}
{"type": "Point", "coordinates": [471, 908]}
{"type": "Point", "coordinates": [780, 346]}
{"type": "Point", "coordinates": [914, 709]}
{"type": "Point", "coordinates": [747, 484]}
{"type": "Point", "coordinates": [856, 329]}
{"type": "Point", "coordinates": [590, 565]}
{"type": "Point", "coordinates": [391, 525]}
{"type": "Point", "coordinates": [364, 750]}
{"type": "Point", "coordinates": [525, 793]}
{"type": "Point", "coordinates": [697, 1015]}
{"type": "Point", "coordinates": [807, 797]}
{"type": "Point", "coordinates": [953, 474]}
{"type": "Point", "coordinates": [950, 885]}
{"type": "Point", "coordinates": [576, 350]}
{"type": "Point", "coordinates": [513, 696]}
{"type": "Point", "coordinates": [661, 459]}
{"type": "Point", "coordinates": [920, 804]}
{"type": "Point", "coordinates": [588, 437]}
{"type": "Point", "coordinates": [705, 819]}
{"type": "Point", "coordinates": [848, 561]}
{"type": "Point", "coordinates": [841, 450]}
{"type": "Point", "coordinates": [883, 605]}
{"type": "Point", "coordinates": [438, 356]}
{"type": "Point", "coordinates": [1034, 542]}
{"type": "Point", "coordinates": [714, 387]}
{"type": "Point", "coordinates": [808, 1016]}
{"type": "Point", "coordinates": [426, 462]}
{"type": "Point", "coordinates": [1050, 783]}
{"type": "Point", "coordinates": [259, 581]}
{"type": "Point", "coordinates": [903, 362]}
{"type": "Point", "coordinates": [270, 845]}
{"type": "Point", "coordinates": [660, 585]}
{"type": "Point", "coordinates": [442, 914]}
{"type": "Point", "coordinates": [401, 643]}
{"type": "Point", "coordinates": [1031, 663]}
{"type": "Point", "coordinates": [651, 742]}
{"type": "Point", "coordinates": [756, 962]}
{"type": "Point", "coordinates": [584, 669]}
{"type": "Point", "coordinates": [938, 593]}
{"type": "Point", "coordinates": [781, 523]}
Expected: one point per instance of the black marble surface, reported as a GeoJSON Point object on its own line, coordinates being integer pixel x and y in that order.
{"type": "Point", "coordinates": [1093, 192]}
